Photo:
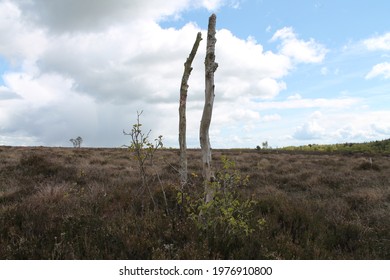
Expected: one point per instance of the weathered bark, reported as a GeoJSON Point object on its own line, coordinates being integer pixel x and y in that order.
{"type": "Point", "coordinates": [182, 111]}
{"type": "Point", "coordinates": [210, 67]}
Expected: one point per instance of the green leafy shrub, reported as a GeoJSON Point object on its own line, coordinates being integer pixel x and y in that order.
{"type": "Point", "coordinates": [141, 147]}
{"type": "Point", "coordinates": [225, 221]}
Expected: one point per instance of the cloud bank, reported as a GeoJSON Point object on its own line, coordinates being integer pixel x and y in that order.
{"type": "Point", "coordinates": [86, 67]}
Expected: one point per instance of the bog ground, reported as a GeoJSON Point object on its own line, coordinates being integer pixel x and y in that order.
{"type": "Point", "coordinates": [65, 203]}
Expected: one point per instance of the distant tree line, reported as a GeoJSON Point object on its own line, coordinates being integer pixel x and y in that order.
{"type": "Point", "coordinates": [382, 146]}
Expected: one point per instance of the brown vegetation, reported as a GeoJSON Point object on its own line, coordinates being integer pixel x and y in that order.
{"type": "Point", "coordinates": [61, 203]}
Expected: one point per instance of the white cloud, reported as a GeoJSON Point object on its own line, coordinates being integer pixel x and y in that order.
{"type": "Point", "coordinates": [299, 50]}
{"type": "Point", "coordinates": [269, 87]}
{"type": "Point", "coordinates": [317, 115]}
{"type": "Point", "coordinates": [294, 97]}
{"type": "Point", "coordinates": [339, 127]}
{"type": "Point", "coordinates": [212, 5]}
{"type": "Point", "coordinates": [245, 69]}
{"type": "Point", "coordinates": [19, 140]}
{"type": "Point", "coordinates": [92, 15]}
{"type": "Point", "coordinates": [378, 43]}
{"type": "Point", "coordinates": [381, 128]}
{"type": "Point", "coordinates": [110, 67]}
{"type": "Point", "coordinates": [6, 93]}
{"type": "Point", "coordinates": [300, 103]}
{"type": "Point", "coordinates": [76, 16]}
{"type": "Point", "coordinates": [91, 82]}
{"type": "Point", "coordinates": [87, 72]}
{"type": "Point", "coordinates": [312, 129]}
{"type": "Point", "coordinates": [360, 125]}
{"type": "Point", "coordinates": [246, 57]}
{"type": "Point", "coordinates": [381, 69]}
{"type": "Point", "coordinates": [48, 110]}
{"type": "Point", "coordinates": [46, 89]}
{"type": "Point", "coordinates": [20, 42]}
{"type": "Point", "coordinates": [271, 118]}
{"type": "Point", "coordinates": [309, 131]}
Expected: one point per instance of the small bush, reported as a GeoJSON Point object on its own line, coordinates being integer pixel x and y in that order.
{"type": "Point", "coordinates": [226, 220]}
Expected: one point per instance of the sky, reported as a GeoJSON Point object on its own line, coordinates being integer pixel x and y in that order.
{"type": "Point", "coordinates": [290, 72]}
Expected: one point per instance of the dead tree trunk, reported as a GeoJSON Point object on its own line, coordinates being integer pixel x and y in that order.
{"type": "Point", "coordinates": [182, 111]}
{"type": "Point", "coordinates": [210, 67]}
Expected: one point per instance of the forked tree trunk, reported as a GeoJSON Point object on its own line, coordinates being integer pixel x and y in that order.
{"type": "Point", "coordinates": [210, 67]}
{"type": "Point", "coordinates": [182, 111]}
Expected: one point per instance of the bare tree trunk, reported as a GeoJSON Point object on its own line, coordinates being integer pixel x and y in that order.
{"type": "Point", "coordinates": [210, 67]}
{"type": "Point", "coordinates": [182, 111]}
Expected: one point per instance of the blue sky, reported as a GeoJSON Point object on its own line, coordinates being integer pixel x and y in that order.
{"type": "Point", "coordinates": [331, 22]}
{"type": "Point", "coordinates": [290, 72]}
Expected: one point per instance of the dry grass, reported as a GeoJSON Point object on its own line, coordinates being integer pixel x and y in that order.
{"type": "Point", "coordinates": [60, 203]}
